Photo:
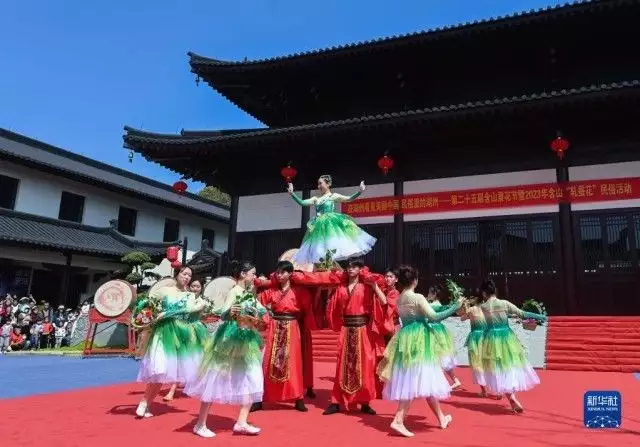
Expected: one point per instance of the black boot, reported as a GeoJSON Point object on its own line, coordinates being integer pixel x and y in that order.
{"type": "Point", "coordinates": [366, 409]}
{"type": "Point", "coordinates": [300, 406]}
{"type": "Point", "coordinates": [310, 393]}
{"type": "Point", "coordinates": [332, 409]}
{"type": "Point", "coordinates": [256, 406]}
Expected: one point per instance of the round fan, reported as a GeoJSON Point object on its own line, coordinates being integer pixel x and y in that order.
{"type": "Point", "coordinates": [164, 282]}
{"type": "Point", "coordinates": [217, 290]}
{"type": "Point", "coordinates": [288, 256]}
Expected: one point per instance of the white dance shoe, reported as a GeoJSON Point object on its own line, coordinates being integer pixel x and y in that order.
{"type": "Point", "coordinates": [245, 429]}
{"type": "Point", "coordinates": [203, 431]}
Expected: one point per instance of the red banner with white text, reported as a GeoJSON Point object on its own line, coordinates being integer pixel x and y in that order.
{"type": "Point", "coordinates": [503, 197]}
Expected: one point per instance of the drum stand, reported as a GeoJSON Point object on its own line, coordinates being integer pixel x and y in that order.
{"type": "Point", "coordinates": [95, 319]}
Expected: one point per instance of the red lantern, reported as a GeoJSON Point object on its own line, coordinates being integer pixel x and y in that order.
{"type": "Point", "coordinates": [176, 265]}
{"type": "Point", "coordinates": [289, 173]}
{"type": "Point", "coordinates": [172, 253]}
{"type": "Point", "coordinates": [179, 187]}
{"type": "Point", "coordinates": [559, 145]}
{"type": "Point", "coordinates": [385, 163]}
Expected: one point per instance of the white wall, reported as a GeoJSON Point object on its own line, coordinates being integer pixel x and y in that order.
{"type": "Point", "coordinates": [480, 182]}
{"type": "Point", "coordinates": [39, 193]}
{"type": "Point", "coordinates": [279, 212]}
{"type": "Point", "coordinates": [606, 171]}
{"type": "Point", "coordinates": [37, 257]}
{"type": "Point", "coordinates": [60, 162]}
{"type": "Point", "coordinates": [372, 191]}
{"type": "Point", "coordinates": [268, 212]}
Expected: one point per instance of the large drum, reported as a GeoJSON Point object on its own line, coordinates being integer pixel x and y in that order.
{"type": "Point", "coordinates": [113, 298]}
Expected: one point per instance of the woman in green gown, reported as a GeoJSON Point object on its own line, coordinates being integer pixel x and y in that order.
{"type": "Point", "coordinates": [331, 231]}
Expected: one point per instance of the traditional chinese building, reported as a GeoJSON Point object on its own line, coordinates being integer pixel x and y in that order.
{"type": "Point", "coordinates": [469, 115]}
{"type": "Point", "coordinates": [66, 221]}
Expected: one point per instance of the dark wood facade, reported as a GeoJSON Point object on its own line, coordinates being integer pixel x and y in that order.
{"type": "Point", "coordinates": [466, 100]}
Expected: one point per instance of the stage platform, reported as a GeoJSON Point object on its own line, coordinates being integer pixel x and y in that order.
{"type": "Point", "coordinates": [63, 404]}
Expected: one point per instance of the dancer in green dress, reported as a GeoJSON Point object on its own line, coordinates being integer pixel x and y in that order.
{"type": "Point", "coordinates": [411, 367]}
{"type": "Point", "coordinates": [231, 371]}
{"type": "Point", "coordinates": [196, 288]}
{"type": "Point", "coordinates": [330, 230]}
{"type": "Point", "coordinates": [473, 313]}
{"type": "Point", "coordinates": [445, 337]}
{"type": "Point", "coordinates": [505, 364]}
{"type": "Point", "coordinates": [175, 347]}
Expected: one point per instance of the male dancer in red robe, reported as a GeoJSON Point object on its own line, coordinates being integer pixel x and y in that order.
{"type": "Point", "coordinates": [284, 360]}
{"type": "Point", "coordinates": [392, 295]}
{"type": "Point", "coordinates": [361, 314]}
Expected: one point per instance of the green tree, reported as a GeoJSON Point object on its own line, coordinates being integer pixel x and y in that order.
{"type": "Point", "coordinates": [139, 263]}
{"type": "Point", "coordinates": [215, 195]}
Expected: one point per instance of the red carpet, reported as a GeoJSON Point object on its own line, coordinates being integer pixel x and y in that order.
{"type": "Point", "coordinates": [605, 344]}
{"type": "Point", "coordinates": [104, 417]}
{"type": "Point", "coordinates": [325, 346]}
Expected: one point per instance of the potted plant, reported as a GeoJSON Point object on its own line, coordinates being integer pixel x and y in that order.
{"type": "Point", "coordinates": [327, 263]}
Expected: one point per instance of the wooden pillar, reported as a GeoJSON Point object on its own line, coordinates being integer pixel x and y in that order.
{"type": "Point", "coordinates": [64, 284]}
{"type": "Point", "coordinates": [185, 247]}
{"type": "Point", "coordinates": [567, 242]}
{"type": "Point", "coordinates": [30, 281]}
{"type": "Point", "coordinates": [398, 225]}
{"type": "Point", "coordinates": [306, 212]}
{"type": "Point", "coordinates": [233, 224]}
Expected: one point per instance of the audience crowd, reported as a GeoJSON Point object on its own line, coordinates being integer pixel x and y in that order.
{"type": "Point", "coordinates": [27, 325]}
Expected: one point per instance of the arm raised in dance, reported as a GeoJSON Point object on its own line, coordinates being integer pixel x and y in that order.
{"type": "Point", "coordinates": [298, 200]}
{"type": "Point", "coordinates": [431, 314]}
{"type": "Point", "coordinates": [512, 309]}
{"type": "Point", "coordinates": [342, 198]}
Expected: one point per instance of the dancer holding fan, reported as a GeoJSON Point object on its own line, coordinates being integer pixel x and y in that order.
{"type": "Point", "coordinates": [331, 231]}
{"type": "Point", "coordinates": [174, 348]}
{"type": "Point", "coordinates": [231, 371]}
{"type": "Point", "coordinates": [196, 288]}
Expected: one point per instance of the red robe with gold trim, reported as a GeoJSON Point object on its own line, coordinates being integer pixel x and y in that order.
{"type": "Point", "coordinates": [359, 347]}
{"type": "Point", "coordinates": [284, 362]}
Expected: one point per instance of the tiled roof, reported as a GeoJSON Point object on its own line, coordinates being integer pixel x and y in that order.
{"type": "Point", "coordinates": [67, 236]}
{"type": "Point", "coordinates": [555, 11]}
{"type": "Point", "coordinates": [4, 133]}
{"type": "Point", "coordinates": [134, 137]}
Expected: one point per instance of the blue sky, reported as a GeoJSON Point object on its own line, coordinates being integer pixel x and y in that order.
{"type": "Point", "coordinates": [73, 73]}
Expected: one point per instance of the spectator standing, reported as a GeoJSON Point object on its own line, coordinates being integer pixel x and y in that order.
{"type": "Point", "coordinates": [47, 333]}
{"type": "Point", "coordinates": [60, 331]}
{"type": "Point", "coordinates": [36, 332]}
{"type": "Point", "coordinates": [85, 308]}
{"type": "Point", "coordinates": [5, 335]}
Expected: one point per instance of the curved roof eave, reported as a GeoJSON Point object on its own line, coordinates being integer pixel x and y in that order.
{"type": "Point", "coordinates": [201, 63]}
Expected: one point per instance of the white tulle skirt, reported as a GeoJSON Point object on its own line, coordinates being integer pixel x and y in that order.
{"type": "Point", "coordinates": [448, 362]}
{"type": "Point", "coordinates": [511, 380]}
{"type": "Point", "coordinates": [420, 380]}
{"type": "Point", "coordinates": [478, 377]}
{"type": "Point", "coordinates": [240, 387]}
{"type": "Point", "coordinates": [313, 249]}
{"type": "Point", "coordinates": [157, 366]}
